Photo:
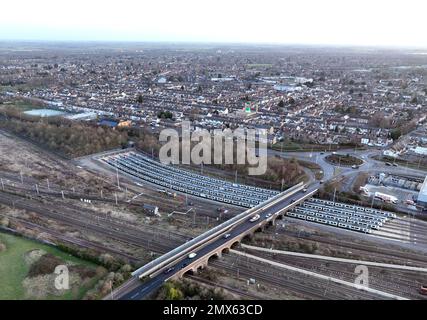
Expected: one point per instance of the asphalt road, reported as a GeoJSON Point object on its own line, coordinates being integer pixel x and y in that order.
{"type": "Point", "coordinates": [152, 284]}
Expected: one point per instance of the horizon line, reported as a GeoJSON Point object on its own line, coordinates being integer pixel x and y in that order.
{"type": "Point", "coordinates": [214, 42]}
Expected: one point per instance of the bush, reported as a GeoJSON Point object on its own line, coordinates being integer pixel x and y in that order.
{"type": "Point", "coordinates": [45, 265]}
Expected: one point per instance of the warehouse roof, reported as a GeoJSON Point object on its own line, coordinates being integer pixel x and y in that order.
{"type": "Point", "coordinates": [423, 190]}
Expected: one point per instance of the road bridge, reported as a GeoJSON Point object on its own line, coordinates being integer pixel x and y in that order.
{"type": "Point", "coordinates": [216, 241]}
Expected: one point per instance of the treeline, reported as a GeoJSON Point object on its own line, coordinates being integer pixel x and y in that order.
{"type": "Point", "coordinates": [70, 138]}
{"type": "Point", "coordinates": [189, 290]}
{"type": "Point", "coordinates": [75, 139]}
{"type": "Point", "coordinates": [277, 168]}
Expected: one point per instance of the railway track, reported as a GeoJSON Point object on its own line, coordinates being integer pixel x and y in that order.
{"type": "Point", "coordinates": [228, 288]}
{"type": "Point", "coordinates": [395, 282]}
{"type": "Point", "coordinates": [76, 241]}
{"type": "Point", "coordinates": [119, 231]}
{"type": "Point", "coordinates": [308, 287]}
{"type": "Point", "coordinates": [109, 228]}
{"type": "Point", "coordinates": [167, 204]}
{"type": "Point", "coordinates": [371, 251]}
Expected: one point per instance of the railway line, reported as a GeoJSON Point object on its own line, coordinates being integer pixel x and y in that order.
{"type": "Point", "coordinates": [75, 241]}
{"type": "Point", "coordinates": [167, 204]}
{"type": "Point", "coordinates": [110, 227]}
{"type": "Point", "coordinates": [372, 252]}
{"type": "Point", "coordinates": [395, 282]}
{"type": "Point", "coordinates": [299, 284]}
{"type": "Point", "coordinates": [212, 284]}
{"type": "Point", "coordinates": [123, 232]}
{"type": "Point", "coordinates": [406, 224]}
{"type": "Point", "coordinates": [287, 282]}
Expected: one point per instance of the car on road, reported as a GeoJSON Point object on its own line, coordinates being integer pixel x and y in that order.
{"type": "Point", "coordinates": [255, 218]}
{"type": "Point", "coordinates": [388, 164]}
{"type": "Point", "coordinates": [321, 181]}
{"type": "Point", "coordinates": [268, 215]}
{"type": "Point", "coordinates": [423, 290]}
{"type": "Point", "coordinates": [192, 255]}
{"type": "Point", "coordinates": [169, 270]}
{"type": "Point", "coordinates": [354, 166]}
{"type": "Point", "coordinates": [293, 200]}
{"type": "Point", "coordinates": [304, 190]}
{"type": "Point", "coordinates": [395, 165]}
{"type": "Point", "coordinates": [226, 236]}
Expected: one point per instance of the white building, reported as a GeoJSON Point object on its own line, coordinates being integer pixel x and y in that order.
{"type": "Point", "coordinates": [420, 150]}
{"type": "Point", "coordinates": [422, 196]}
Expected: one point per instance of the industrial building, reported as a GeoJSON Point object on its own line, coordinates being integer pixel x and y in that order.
{"type": "Point", "coordinates": [422, 196]}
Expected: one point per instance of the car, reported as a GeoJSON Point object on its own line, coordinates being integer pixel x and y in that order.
{"type": "Point", "coordinates": [192, 255]}
{"type": "Point", "coordinates": [293, 200]}
{"type": "Point", "coordinates": [304, 190]}
{"type": "Point", "coordinates": [395, 165]}
{"type": "Point", "coordinates": [183, 265]}
{"type": "Point", "coordinates": [321, 181]}
{"type": "Point", "coordinates": [268, 215]}
{"type": "Point", "coordinates": [169, 270]}
{"type": "Point", "coordinates": [254, 218]}
{"type": "Point", "coordinates": [388, 164]}
{"type": "Point", "coordinates": [226, 236]}
{"type": "Point", "coordinates": [355, 166]}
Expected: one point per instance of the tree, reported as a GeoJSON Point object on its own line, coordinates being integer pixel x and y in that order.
{"type": "Point", "coordinates": [140, 99]}
{"type": "Point", "coordinates": [165, 115]}
{"type": "Point", "coordinates": [174, 294]}
{"type": "Point", "coordinates": [395, 134]}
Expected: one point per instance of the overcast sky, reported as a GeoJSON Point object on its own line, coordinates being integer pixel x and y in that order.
{"type": "Point", "coordinates": [342, 22]}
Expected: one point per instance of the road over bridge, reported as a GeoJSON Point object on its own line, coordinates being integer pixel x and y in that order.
{"type": "Point", "coordinates": [213, 243]}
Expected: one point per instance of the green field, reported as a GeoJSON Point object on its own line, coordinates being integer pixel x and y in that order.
{"type": "Point", "coordinates": [13, 269]}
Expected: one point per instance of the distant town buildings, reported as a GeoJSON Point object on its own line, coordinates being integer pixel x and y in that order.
{"type": "Point", "coordinates": [310, 98]}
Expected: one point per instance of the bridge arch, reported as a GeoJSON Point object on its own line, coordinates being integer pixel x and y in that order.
{"type": "Point", "coordinates": [235, 244]}
{"type": "Point", "coordinates": [189, 272]}
{"type": "Point", "coordinates": [200, 268]}
{"type": "Point", "coordinates": [212, 257]}
{"type": "Point", "coordinates": [225, 250]}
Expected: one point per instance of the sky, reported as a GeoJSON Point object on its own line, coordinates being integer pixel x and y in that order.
{"type": "Point", "coordinates": [328, 22]}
